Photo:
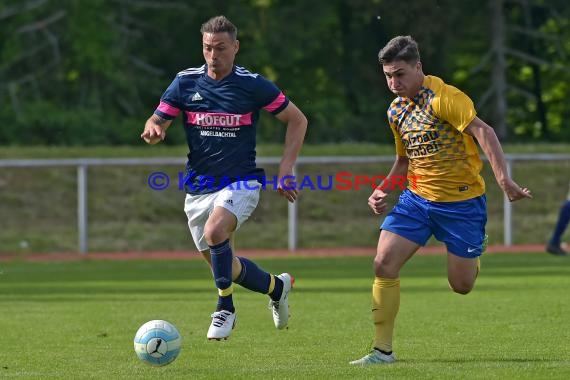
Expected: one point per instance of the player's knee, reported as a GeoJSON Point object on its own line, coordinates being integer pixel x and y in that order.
{"type": "Point", "coordinates": [461, 287]}
{"type": "Point", "coordinates": [462, 291]}
{"type": "Point", "coordinates": [214, 235]}
{"type": "Point", "coordinates": [384, 267]}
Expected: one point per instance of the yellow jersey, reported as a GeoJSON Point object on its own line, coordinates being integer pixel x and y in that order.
{"type": "Point", "coordinates": [444, 162]}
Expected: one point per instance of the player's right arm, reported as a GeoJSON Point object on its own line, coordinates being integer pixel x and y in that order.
{"type": "Point", "coordinates": [155, 129]}
{"type": "Point", "coordinates": [377, 201]}
{"type": "Point", "coordinates": [167, 110]}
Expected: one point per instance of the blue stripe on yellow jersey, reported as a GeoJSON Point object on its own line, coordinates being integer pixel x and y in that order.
{"type": "Point", "coordinates": [428, 129]}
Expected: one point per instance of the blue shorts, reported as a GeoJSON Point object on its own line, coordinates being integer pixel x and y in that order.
{"type": "Point", "coordinates": [460, 225]}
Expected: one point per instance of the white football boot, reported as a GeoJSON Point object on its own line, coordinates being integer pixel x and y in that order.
{"type": "Point", "coordinates": [375, 357]}
{"type": "Point", "coordinates": [280, 309]}
{"type": "Point", "coordinates": [222, 324]}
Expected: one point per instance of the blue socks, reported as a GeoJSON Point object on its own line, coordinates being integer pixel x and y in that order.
{"type": "Point", "coordinates": [251, 277]}
{"type": "Point", "coordinates": [221, 255]}
{"type": "Point", "coordinates": [256, 279]}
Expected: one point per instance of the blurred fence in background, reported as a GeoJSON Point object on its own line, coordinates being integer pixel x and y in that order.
{"type": "Point", "coordinates": [114, 205]}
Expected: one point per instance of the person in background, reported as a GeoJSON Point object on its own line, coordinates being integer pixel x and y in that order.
{"type": "Point", "coordinates": [554, 245]}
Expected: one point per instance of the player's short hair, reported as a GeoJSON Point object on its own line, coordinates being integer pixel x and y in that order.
{"type": "Point", "coordinates": [400, 48]}
{"type": "Point", "coordinates": [219, 24]}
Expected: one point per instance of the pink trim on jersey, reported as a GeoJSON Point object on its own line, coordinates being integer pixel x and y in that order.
{"type": "Point", "coordinates": [218, 119]}
{"type": "Point", "coordinates": [276, 103]}
{"type": "Point", "coordinates": [168, 109]}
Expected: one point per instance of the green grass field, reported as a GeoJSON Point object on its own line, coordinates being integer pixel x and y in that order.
{"type": "Point", "coordinates": [77, 320]}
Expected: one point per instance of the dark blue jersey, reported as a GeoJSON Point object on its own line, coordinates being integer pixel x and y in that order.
{"type": "Point", "coordinates": [220, 119]}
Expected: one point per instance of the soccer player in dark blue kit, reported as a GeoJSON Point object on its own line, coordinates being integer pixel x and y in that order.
{"type": "Point", "coordinates": [220, 104]}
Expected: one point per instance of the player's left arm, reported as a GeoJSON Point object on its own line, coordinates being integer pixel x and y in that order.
{"type": "Point", "coordinates": [296, 128]}
{"type": "Point", "coordinates": [487, 139]}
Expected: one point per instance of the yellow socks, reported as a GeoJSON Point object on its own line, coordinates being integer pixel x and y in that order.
{"type": "Point", "coordinates": [385, 305]}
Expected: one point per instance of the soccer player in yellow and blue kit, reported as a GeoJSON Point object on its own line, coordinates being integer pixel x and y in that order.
{"type": "Point", "coordinates": [434, 126]}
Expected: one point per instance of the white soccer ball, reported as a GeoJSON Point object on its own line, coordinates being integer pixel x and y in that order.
{"type": "Point", "coordinates": [157, 342]}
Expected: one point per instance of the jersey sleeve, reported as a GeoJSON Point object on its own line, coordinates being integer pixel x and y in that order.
{"type": "Point", "coordinates": [455, 107]}
{"type": "Point", "coordinates": [392, 117]}
{"type": "Point", "coordinates": [269, 96]}
{"type": "Point", "coordinates": [169, 106]}
{"type": "Point", "coordinates": [400, 149]}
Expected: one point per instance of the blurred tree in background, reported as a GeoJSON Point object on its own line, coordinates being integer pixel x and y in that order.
{"type": "Point", "coordinates": [90, 72]}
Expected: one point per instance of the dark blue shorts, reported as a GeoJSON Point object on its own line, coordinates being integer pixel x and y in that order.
{"type": "Point", "coordinates": [460, 225]}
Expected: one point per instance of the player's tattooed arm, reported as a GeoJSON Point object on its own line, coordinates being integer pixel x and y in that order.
{"type": "Point", "coordinates": [155, 129]}
{"type": "Point", "coordinates": [160, 120]}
